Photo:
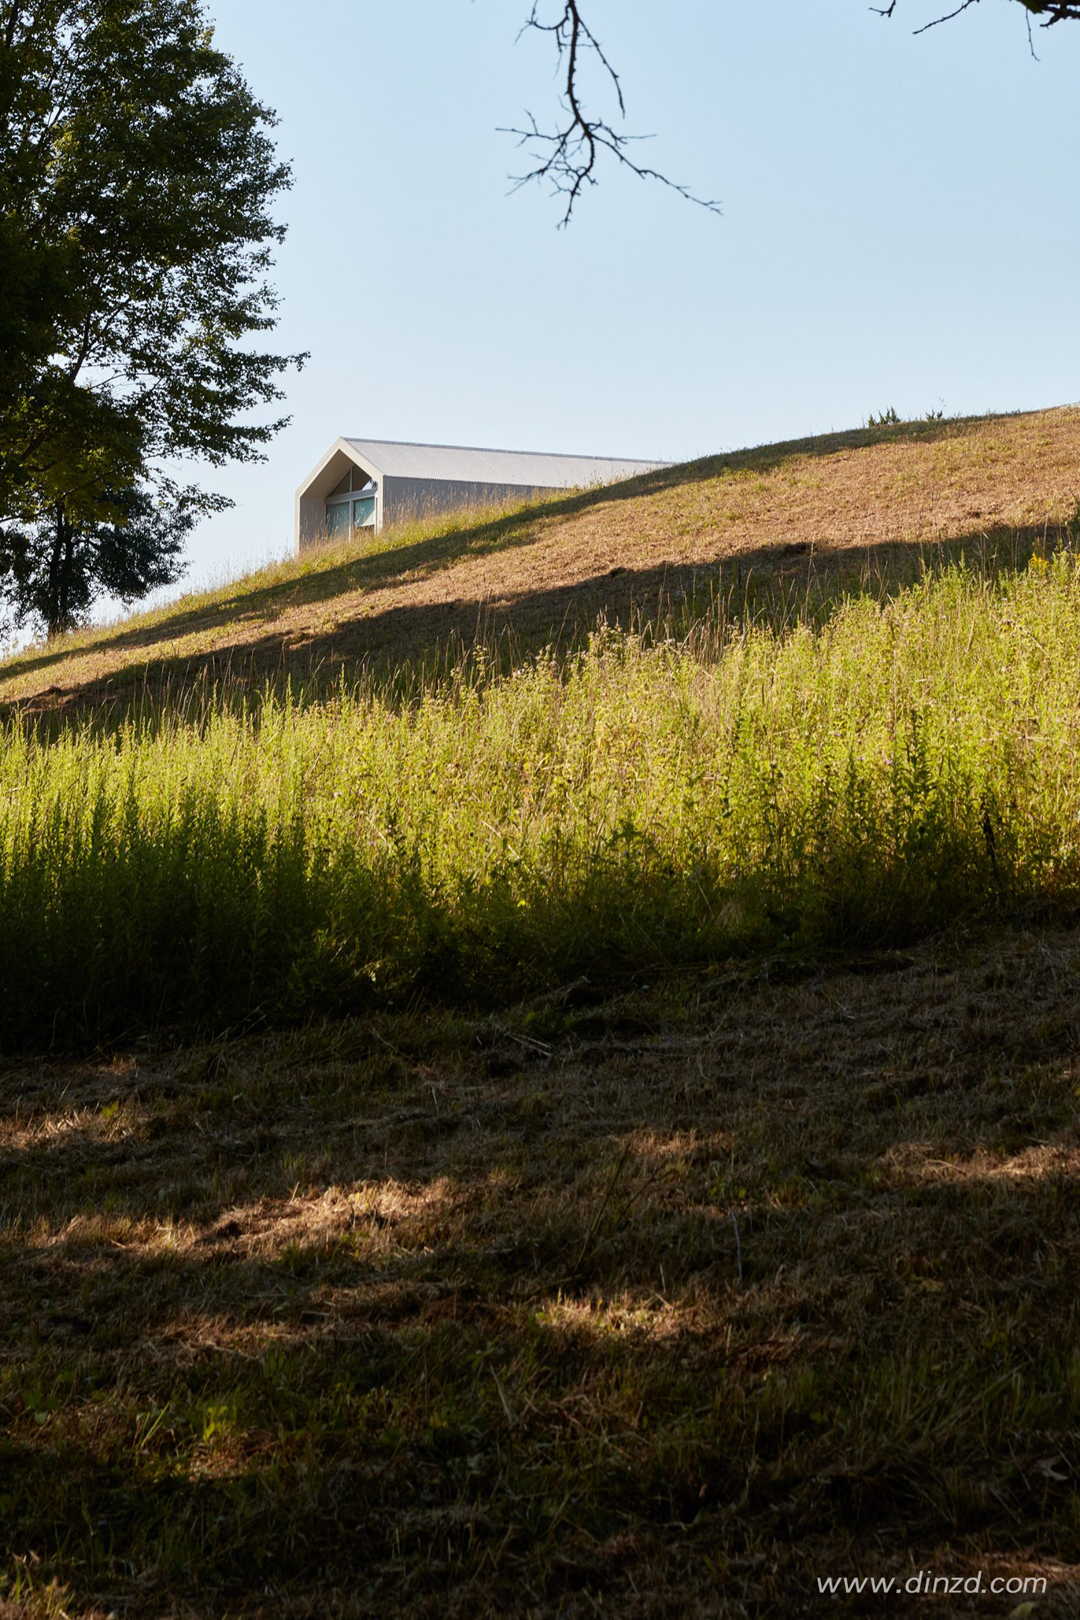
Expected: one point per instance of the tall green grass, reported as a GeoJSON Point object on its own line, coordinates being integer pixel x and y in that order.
{"type": "Point", "coordinates": [646, 802]}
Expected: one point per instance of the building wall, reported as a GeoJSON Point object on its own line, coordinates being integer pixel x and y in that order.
{"type": "Point", "coordinates": [404, 499]}
{"type": "Point", "coordinates": [398, 500]}
{"type": "Point", "coordinates": [310, 509]}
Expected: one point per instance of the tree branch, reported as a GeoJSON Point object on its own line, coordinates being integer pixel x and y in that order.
{"type": "Point", "coordinates": [567, 156]}
{"type": "Point", "coordinates": [1052, 11]}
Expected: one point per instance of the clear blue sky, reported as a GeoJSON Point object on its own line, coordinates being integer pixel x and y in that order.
{"type": "Point", "coordinates": [900, 227]}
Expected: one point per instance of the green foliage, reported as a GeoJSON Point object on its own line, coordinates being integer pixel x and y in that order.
{"type": "Point", "coordinates": [887, 418]}
{"type": "Point", "coordinates": [136, 178]}
{"type": "Point", "coordinates": [52, 569]}
{"type": "Point", "coordinates": [894, 768]}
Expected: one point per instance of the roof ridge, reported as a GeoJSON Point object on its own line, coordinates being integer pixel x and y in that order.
{"type": "Point", "coordinates": [492, 450]}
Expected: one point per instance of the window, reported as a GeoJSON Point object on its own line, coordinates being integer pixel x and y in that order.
{"type": "Point", "coordinates": [337, 519]}
{"type": "Point", "coordinates": [363, 513]}
{"type": "Point", "coordinates": [355, 480]}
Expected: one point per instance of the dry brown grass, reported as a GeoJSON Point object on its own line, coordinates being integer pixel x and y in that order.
{"type": "Point", "coordinates": [659, 1302]}
{"type": "Point", "coordinates": [863, 503]}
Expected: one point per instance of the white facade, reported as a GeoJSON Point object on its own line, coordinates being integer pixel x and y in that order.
{"type": "Point", "coordinates": [370, 483]}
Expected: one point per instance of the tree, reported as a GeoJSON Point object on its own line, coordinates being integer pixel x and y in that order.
{"type": "Point", "coordinates": [136, 179]}
{"type": "Point", "coordinates": [567, 156]}
{"type": "Point", "coordinates": [56, 566]}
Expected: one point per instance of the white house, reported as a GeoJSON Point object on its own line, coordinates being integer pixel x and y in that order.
{"type": "Point", "coordinates": [371, 483]}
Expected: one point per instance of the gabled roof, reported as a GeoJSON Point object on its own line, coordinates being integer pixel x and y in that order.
{"type": "Point", "coordinates": [469, 465]}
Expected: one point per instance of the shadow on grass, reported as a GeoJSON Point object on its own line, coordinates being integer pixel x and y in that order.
{"type": "Point", "coordinates": [419, 558]}
{"type": "Point", "coordinates": [418, 1318]}
{"type": "Point", "coordinates": [402, 648]}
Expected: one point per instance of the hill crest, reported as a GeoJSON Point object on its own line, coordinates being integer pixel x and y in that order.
{"type": "Point", "coordinates": [858, 502]}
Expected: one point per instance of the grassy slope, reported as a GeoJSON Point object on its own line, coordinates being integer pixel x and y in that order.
{"type": "Point", "coordinates": [857, 504]}
{"type": "Point", "coordinates": [648, 1298]}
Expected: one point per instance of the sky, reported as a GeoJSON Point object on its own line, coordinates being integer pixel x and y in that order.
{"type": "Point", "coordinates": [899, 228]}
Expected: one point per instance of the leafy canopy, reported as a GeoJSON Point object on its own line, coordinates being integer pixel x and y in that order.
{"type": "Point", "coordinates": [136, 181]}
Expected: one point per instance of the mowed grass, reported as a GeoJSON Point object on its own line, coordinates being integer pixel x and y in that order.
{"type": "Point", "coordinates": [840, 509]}
{"type": "Point", "coordinates": [647, 1301]}
{"type": "Point", "coordinates": [583, 1119]}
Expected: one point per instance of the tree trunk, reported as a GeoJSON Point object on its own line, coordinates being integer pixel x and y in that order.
{"type": "Point", "coordinates": [59, 615]}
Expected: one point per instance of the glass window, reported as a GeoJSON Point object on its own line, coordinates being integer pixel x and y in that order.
{"type": "Point", "coordinates": [337, 519]}
{"type": "Point", "coordinates": [360, 479]}
{"type": "Point", "coordinates": [363, 513]}
{"type": "Point", "coordinates": [340, 489]}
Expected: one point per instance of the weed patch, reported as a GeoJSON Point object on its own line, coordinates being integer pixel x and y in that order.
{"type": "Point", "coordinates": [647, 803]}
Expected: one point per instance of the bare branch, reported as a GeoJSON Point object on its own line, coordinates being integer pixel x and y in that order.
{"type": "Point", "coordinates": [567, 156]}
{"type": "Point", "coordinates": [1055, 10]}
{"type": "Point", "coordinates": [1052, 11]}
{"type": "Point", "coordinates": [948, 16]}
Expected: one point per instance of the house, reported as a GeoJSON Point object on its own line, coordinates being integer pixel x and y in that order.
{"type": "Point", "coordinates": [372, 483]}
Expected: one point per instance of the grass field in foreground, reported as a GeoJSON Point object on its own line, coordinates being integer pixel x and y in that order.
{"type": "Point", "coordinates": [660, 1301]}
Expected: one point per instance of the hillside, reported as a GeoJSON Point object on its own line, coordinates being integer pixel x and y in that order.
{"type": "Point", "coordinates": [864, 504]}
{"type": "Point", "coordinates": [492, 1135]}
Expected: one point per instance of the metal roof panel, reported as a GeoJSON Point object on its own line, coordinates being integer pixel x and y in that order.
{"type": "Point", "coordinates": [472, 465]}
